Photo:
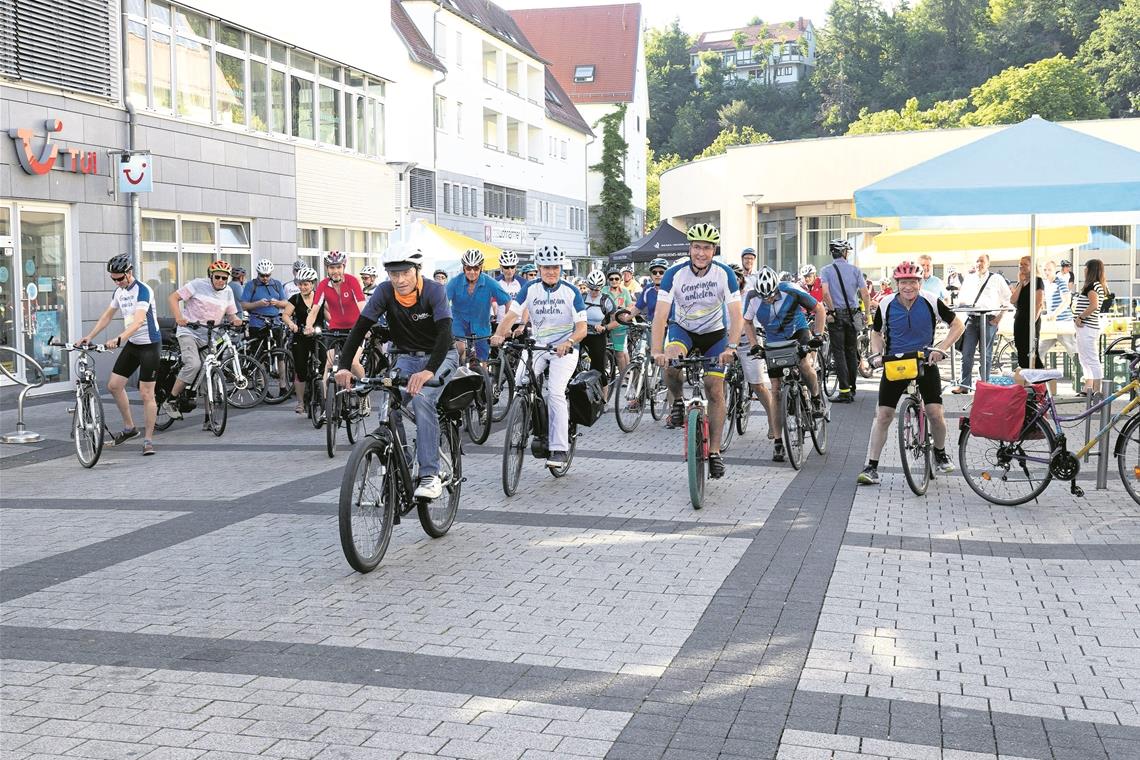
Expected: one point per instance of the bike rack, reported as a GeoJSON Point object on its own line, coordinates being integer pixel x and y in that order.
{"type": "Point", "coordinates": [1107, 388]}
{"type": "Point", "coordinates": [22, 434]}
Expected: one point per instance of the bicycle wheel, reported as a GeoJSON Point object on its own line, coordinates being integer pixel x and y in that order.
{"type": "Point", "coordinates": [217, 406]}
{"type": "Point", "coordinates": [502, 389]}
{"type": "Point", "coordinates": [87, 426]}
{"type": "Point", "coordinates": [655, 384]}
{"type": "Point", "coordinates": [437, 515]}
{"type": "Point", "coordinates": [477, 415]}
{"type": "Point", "coordinates": [249, 390]}
{"type": "Point", "coordinates": [695, 450]}
{"type": "Point", "coordinates": [629, 401]}
{"type": "Point", "coordinates": [1005, 355]}
{"type": "Point", "coordinates": [828, 378]}
{"type": "Point", "coordinates": [572, 435]}
{"type": "Point", "coordinates": [366, 511]}
{"type": "Point", "coordinates": [352, 414]}
{"type": "Point", "coordinates": [280, 375]}
{"type": "Point", "coordinates": [743, 411]}
{"type": "Point", "coordinates": [1007, 473]}
{"type": "Point", "coordinates": [1128, 457]}
{"type": "Point", "coordinates": [332, 416]}
{"type": "Point", "coordinates": [514, 443]}
{"type": "Point", "coordinates": [611, 368]}
{"type": "Point", "coordinates": [793, 430]}
{"type": "Point", "coordinates": [913, 451]}
{"type": "Point", "coordinates": [316, 395]}
{"type": "Point", "coordinates": [731, 402]}
{"type": "Point", "coordinates": [819, 428]}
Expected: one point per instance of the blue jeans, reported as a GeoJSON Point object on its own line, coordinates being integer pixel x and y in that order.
{"type": "Point", "coordinates": [970, 340]}
{"type": "Point", "coordinates": [423, 404]}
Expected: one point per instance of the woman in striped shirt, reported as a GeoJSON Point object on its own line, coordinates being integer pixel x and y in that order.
{"type": "Point", "coordinates": [1086, 307]}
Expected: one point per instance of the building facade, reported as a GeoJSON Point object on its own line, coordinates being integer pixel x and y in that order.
{"type": "Point", "coordinates": [781, 54]}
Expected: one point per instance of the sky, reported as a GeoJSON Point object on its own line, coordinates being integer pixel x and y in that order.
{"type": "Point", "coordinates": [703, 15]}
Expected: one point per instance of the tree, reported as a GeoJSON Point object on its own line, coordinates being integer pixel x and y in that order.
{"type": "Point", "coordinates": [850, 59]}
{"type": "Point", "coordinates": [1110, 56]}
{"type": "Point", "coordinates": [1023, 31]}
{"type": "Point", "coordinates": [669, 77]}
{"type": "Point", "coordinates": [739, 39]}
{"type": "Point", "coordinates": [1055, 89]}
{"type": "Point", "coordinates": [616, 206]}
{"type": "Point", "coordinates": [737, 114]}
{"type": "Point", "coordinates": [655, 168]}
{"type": "Point", "coordinates": [733, 136]}
{"type": "Point", "coordinates": [945, 114]}
{"type": "Point", "coordinates": [755, 21]}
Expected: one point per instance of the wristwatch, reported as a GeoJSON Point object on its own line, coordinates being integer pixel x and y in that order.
{"type": "Point", "coordinates": [733, 346]}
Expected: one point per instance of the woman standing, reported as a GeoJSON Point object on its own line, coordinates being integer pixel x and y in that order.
{"type": "Point", "coordinates": [1020, 295]}
{"type": "Point", "coordinates": [1086, 307]}
{"type": "Point", "coordinates": [295, 316]}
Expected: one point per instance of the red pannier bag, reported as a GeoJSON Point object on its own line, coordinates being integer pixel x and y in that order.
{"type": "Point", "coordinates": [1000, 411]}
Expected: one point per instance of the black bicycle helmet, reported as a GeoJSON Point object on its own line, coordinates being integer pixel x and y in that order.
{"type": "Point", "coordinates": [120, 264]}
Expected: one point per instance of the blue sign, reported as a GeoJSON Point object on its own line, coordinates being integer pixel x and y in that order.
{"type": "Point", "coordinates": [136, 173]}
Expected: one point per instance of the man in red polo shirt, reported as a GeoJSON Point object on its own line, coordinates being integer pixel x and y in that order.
{"type": "Point", "coordinates": [343, 299]}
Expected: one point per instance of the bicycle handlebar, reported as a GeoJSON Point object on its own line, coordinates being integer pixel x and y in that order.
{"type": "Point", "coordinates": [96, 347]}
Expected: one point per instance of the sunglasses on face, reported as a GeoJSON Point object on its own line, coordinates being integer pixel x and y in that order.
{"type": "Point", "coordinates": [511, 268]}
{"type": "Point", "coordinates": [615, 279]}
{"type": "Point", "coordinates": [471, 269]}
{"type": "Point", "coordinates": [221, 277]}
{"type": "Point", "coordinates": [657, 272]}
{"type": "Point", "coordinates": [120, 278]}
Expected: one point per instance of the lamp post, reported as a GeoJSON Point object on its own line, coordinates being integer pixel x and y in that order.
{"type": "Point", "coordinates": [402, 168]}
{"type": "Point", "coordinates": [753, 200]}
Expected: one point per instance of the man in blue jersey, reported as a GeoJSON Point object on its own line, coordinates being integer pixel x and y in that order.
{"type": "Point", "coordinates": [134, 301]}
{"type": "Point", "coordinates": [699, 292]}
{"type": "Point", "coordinates": [471, 296]}
{"type": "Point", "coordinates": [558, 319]}
{"type": "Point", "coordinates": [647, 298]}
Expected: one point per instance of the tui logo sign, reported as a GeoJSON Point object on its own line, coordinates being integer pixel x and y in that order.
{"type": "Point", "coordinates": [50, 155]}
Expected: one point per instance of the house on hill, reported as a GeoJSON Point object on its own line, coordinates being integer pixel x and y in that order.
{"type": "Point", "coordinates": [781, 53]}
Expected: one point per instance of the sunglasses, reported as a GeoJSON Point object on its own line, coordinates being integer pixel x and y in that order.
{"type": "Point", "coordinates": [505, 267]}
{"type": "Point", "coordinates": [614, 279]}
{"type": "Point", "coordinates": [119, 278]}
{"type": "Point", "coordinates": [471, 269]}
{"type": "Point", "coordinates": [221, 277]}
{"type": "Point", "coordinates": [656, 272]}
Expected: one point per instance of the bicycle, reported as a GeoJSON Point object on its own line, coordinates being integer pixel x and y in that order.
{"type": "Point", "coordinates": [800, 419]}
{"type": "Point", "coordinates": [378, 489]}
{"type": "Point", "coordinates": [991, 465]}
{"type": "Point", "coordinates": [477, 416]}
{"type": "Point", "coordinates": [88, 427]}
{"type": "Point", "coordinates": [640, 385]}
{"type": "Point", "coordinates": [696, 426]}
{"type": "Point", "coordinates": [501, 368]}
{"type": "Point", "coordinates": [916, 440]}
{"type": "Point", "coordinates": [527, 417]}
{"type": "Point", "coordinates": [246, 379]}
{"type": "Point", "coordinates": [272, 353]}
{"type": "Point", "coordinates": [737, 403]}
{"type": "Point", "coordinates": [209, 378]}
{"type": "Point", "coordinates": [340, 409]}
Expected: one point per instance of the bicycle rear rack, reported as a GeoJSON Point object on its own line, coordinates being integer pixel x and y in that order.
{"type": "Point", "coordinates": [22, 434]}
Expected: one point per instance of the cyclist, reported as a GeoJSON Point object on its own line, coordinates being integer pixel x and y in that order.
{"type": "Point", "coordinates": [623, 299]}
{"type": "Point", "coordinates": [204, 299]}
{"type": "Point", "coordinates": [508, 266]}
{"type": "Point", "coordinates": [419, 321]}
{"type": "Point", "coordinates": [843, 289]}
{"type": "Point", "coordinates": [904, 322]}
{"type": "Point", "coordinates": [779, 307]}
{"type": "Point", "coordinates": [368, 275]}
{"type": "Point", "coordinates": [810, 282]}
{"type": "Point", "coordinates": [237, 285]}
{"type": "Point", "coordinates": [699, 292]}
{"type": "Point", "coordinates": [134, 302]}
{"type": "Point", "coordinates": [440, 276]}
{"type": "Point", "coordinates": [264, 309]}
{"type": "Point", "coordinates": [600, 308]}
{"type": "Point", "coordinates": [296, 314]}
{"type": "Point", "coordinates": [470, 297]}
{"type": "Point", "coordinates": [343, 300]}
{"type": "Point", "coordinates": [749, 361]}
{"type": "Point", "coordinates": [628, 281]}
{"type": "Point", "coordinates": [558, 318]}
{"type": "Point", "coordinates": [647, 298]}
{"type": "Point", "coordinates": [293, 287]}
{"type": "Point", "coordinates": [528, 272]}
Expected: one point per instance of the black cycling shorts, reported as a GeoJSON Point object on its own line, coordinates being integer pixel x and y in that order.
{"type": "Point", "coordinates": [143, 357]}
{"type": "Point", "coordinates": [803, 335]}
{"type": "Point", "coordinates": [929, 387]}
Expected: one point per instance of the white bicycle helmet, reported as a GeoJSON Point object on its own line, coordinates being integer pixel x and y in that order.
{"type": "Point", "coordinates": [307, 274]}
{"type": "Point", "coordinates": [627, 268]}
{"type": "Point", "coordinates": [767, 282]}
{"type": "Point", "coordinates": [508, 259]}
{"type": "Point", "coordinates": [472, 257]}
{"type": "Point", "coordinates": [335, 259]}
{"type": "Point", "coordinates": [549, 256]}
{"type": "Point", "coordinates": [403, 256]}
{"type": "Point", "coordinates": [596, 279]}
{"type": "Point", "coordinates": [264, 266]}
{"type": "Point", "coordinates": [369, 271]}
{"type": "Point", "coordinates": [807, 270]}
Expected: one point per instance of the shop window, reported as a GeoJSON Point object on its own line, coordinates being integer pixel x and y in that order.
{"type": "Point", "coordinates": [230, 77]}
{"type": "Point", "coordinates": [330, 115]}
{"type": "Point", "coordinates": [259, 96]}
{"type": "Point", "coordinates": [157, 230]}
{"type": "Point", "coordinates": [333, 239]}
{"type": "Point", "coordinates": [159, 270]}
{"type": "Point", "coordinates": [302, 100]}
{"type": "Point", "coordinates": [197, 233]}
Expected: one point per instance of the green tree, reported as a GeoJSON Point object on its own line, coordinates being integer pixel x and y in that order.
{"type": "Point", "coordinates": [737, 114]}
{"type": "Point", "coordinates": [616, 207]}
{"type": "Point", "coordinates": [1054, 88]}
{"type": "Point", "coordinates": [739, 39]}
{"type": "Point", "coordinates": [669, 78]}
{"type": "Point", "coordinates": [711, 74]}
{"type": "Point", "coordinates": [755, 21]}
{"type": "Point", "coordinates": [851, 62]}
{"type": "Point", "coordinates": [655, 168]}
{"type": "Point", "coordinates": [733, 136]}
{"type": "Point", "coordinates": [1112, 56]}
{"type": "Point", "coordinates": [1023, 31]}
{"type": "Point", "coordinates": [945, 114]}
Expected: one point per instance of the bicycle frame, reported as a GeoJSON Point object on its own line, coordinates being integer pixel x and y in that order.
{"type": "Point", "coordinates": [1050, 408]}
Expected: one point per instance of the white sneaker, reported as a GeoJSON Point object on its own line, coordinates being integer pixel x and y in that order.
{"type": "Point", "coordinates": [430, 487]}
{"type": "Point", "coordinates": [172, 410]}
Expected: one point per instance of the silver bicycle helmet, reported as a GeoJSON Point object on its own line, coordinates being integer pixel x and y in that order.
{"type": "Point", "coordinates": [767, 283]}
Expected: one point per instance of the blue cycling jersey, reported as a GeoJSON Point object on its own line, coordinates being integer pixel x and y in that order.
{"type": "Point", "coordinates": [783, 318]}
{"type": "Point", "coordinates": [474, 308]}
{"type": "Point", "coordinates": [647, 302]}
{"type": "Point", "coordinates": [255, 290]}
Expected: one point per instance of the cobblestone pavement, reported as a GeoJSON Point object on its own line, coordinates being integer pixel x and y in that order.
{"type": "Point", "coordinates": [195, 605]}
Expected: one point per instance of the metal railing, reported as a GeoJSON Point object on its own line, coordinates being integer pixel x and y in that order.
{"type": "Point", "coordinates": [22, 434]}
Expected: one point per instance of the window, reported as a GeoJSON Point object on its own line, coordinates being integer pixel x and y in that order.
{"type": "Point", "coordinates": [229, 72]}
{"type": "Point", "coordinates": [504, 202]}
{"type": "Point", "coordinates": [458, 119]}
{"type": "Point", "coordinates": [301, 96]}
{"type": "Point", "coordinates": [440, 43]}
{"type": "Point", "coordinates": [70, 45]}
{"type": "Point", "coordinates": [466, 202]}
{"type": "Point", "coordinates": [447, 197]}
{"type": "Point", "coordinates": [584, 73]}
{"type": "Point", "coordinates": [259, 97]}
{"type": "Point", "coordinates": [308, 237]}
{"type": "Point", "coordinates": [330, 115]}
{"type": "Point", "coordinates": [440, 112]}
{"type": "Point", "coordinates": [565, 145]}
{"type": "Point", "coordinates": [177, 249]}
{"type": "Point", "coordinates": [421, 189]}
{"type": "Point", "coordinates": [458, 56]}
{"type": "Point", "coordinates": [474, 193]}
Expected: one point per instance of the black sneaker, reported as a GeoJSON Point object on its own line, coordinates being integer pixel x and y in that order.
{"type": "Point", "coordinates": [817, 407]}
{"type": "Point", "coordinates": [716, 466]}
{"type": "Point", "coordinates": [556, 459]}
{"type": "Point", "coordinates": [869, 477]}
{"type": "Point", "coordinates": [124, 435]}
{"type": "Point", "coordinates": [943, 463]}
{"type": "Point", "coordinates": [778, 451]}
{"type": "Point", "coordinates": [677, 415]}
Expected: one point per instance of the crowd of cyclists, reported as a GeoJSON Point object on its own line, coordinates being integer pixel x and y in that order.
{"type": "Point", "coordinates": [696, 305]}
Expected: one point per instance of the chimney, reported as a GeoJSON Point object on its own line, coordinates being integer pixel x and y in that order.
{"type": "Point", "coordinates": [800, 24]}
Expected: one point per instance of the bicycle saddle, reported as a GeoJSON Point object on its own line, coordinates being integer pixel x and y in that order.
{"type": "Point", "coordinates": [1040, 375]}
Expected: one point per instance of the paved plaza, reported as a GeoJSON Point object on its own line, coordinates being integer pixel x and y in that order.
{"type": "Point", "coordinates": [196, 605]}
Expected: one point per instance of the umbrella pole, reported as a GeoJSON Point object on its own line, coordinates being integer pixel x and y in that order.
{"type": "Point", "coordinates": [1031, 351]}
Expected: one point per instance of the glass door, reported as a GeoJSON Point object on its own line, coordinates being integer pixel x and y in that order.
{"type": "Point", "coordinates": [9, 304]}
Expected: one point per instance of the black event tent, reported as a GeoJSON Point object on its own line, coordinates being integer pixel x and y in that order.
{"type": "Point", "coordinates": [665, 241]}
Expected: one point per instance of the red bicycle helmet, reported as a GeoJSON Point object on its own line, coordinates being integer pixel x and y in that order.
{"type": "Point", "coordinates": [907, 270]}
{"type": "Point", "coordinates": [220, 266]}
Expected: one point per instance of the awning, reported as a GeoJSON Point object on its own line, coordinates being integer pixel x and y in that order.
{"type": "Point", "coordinates": [944, 241]}
{"type": "Point", "coordinates": [456, 244]}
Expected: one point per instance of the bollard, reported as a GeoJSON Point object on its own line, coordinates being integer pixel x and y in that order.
{"type": "Point", "coordinates": [1107, 387]}
{"type": "Point", "coordinates": [22, 434]}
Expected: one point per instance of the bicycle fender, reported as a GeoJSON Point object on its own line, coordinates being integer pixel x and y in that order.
{"type": "Point", "coordinates": [1125, 431]}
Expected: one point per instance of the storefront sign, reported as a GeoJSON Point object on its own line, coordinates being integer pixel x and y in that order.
{"type": "Point", "coordinates": [51, 156]}
{"type": "Point", "coordinates": [135, 175]}
{"type": "Point", "coordinates": [503, 235]}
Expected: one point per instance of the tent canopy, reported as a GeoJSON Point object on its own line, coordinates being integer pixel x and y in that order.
{"type": "Point", "coordinates": [1035, 167]}
{"type": "Point", "coordinates": [665, 241]}
{"type": "Point", "coordinates": [941, 241]}
{"type": "Point", "coordinates": [443, 248]}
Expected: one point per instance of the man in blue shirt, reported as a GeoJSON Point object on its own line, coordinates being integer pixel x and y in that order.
{"type": "Point", "coordinates": [263, 298]}
{"type": "Point", "coordinates": [647, 298]}
{"type": "Point", "coordinates": [843, 287]}
{"type": "Point", "coordinates": [930, 282]}
{"type": "Point", "coordinates": [471, 296]}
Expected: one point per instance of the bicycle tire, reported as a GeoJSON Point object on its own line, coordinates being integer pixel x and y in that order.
{"type": "Point", "coordinates": [630, 389]}
{"type": "Point", "coordinates": [365, 503]}
{"type": "Point", "coordinates": [572, 437]}
{"type": "Point", "coordinates": [819, 428]}
{"type": "Point", "coordinates": [502, 390]}
{"type": "Point", "coordinates": [828, 377]}
{"type": "Point", "coordinates": [162, 420]}
{"type": "Point", "coordinates": [695, 446]}
{"type": "Point", "coordinates": [610, 367]}
{"type": "Point", "coordinates": [913, 451]}
{"type": "Point", "coordinates": [251, 389]}
{"type": "Point", "coordinates": [353, 417]}
{"type": "Point", "coordinates": [477, 415]}
{"type": "Point", "coordinates": [280, 372]}
{"type": "Point", "coordinates": [743, 411]}
{"type": "Point", "coordinates": [87, 426]}
{"type": "Point", "coordinates": [514, 444]}
{"type": "Point", "coordinates": [1128, 450]}
{"type": "Point", "coordinates": [218, 405]}
{"type": "Point", "coordinates": [332, 416]}
{"type": "Point", "coordinates": [436, 518]}
{"type": "Point", "coordinates": [991, 458]}
{"type": "Point", "coordinates": [657, 395]}
{"type": "Point", "coordinates": [793, 431]}
{"type": "Point", "coordinates": [731, 401]}
{"type": "Point", "coordinates": [316, 402]}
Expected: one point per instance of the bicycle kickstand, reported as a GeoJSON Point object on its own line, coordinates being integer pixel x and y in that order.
{"type": "Point", "coordinates": [1074, 489]}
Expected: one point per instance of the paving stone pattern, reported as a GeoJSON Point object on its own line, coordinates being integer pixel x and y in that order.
{"type": "Point", "coordinates": [170, 607]}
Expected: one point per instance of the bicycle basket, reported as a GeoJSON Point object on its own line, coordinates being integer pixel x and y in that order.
{"type": "Point", "coordinates": [782, 354]}
{"type": "Point", "coordinates": [903, 366]}
{"type": "Point", "coordinates": [587, 400]}
{"type": "Point", "coordinates": [459, 392]}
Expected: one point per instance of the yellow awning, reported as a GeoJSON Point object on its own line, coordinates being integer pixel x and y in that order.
{"type": "Point", "coordinates": [460, 243]}
{"type": "Point", "coordinates": [946, 241]}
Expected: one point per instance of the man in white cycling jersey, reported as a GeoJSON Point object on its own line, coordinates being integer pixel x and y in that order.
{"type": "Point", "coordinates": [700, 292]}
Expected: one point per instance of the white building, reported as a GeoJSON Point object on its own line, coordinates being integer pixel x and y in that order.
{"type": "Point", "coordinates": [600, 71]}
{"type": "Point", "coordinates": [782, 53]}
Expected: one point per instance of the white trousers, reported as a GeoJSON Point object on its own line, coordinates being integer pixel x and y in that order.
{"type": "Point", "coordinates": [554, 391]}
{"type": "Point", "coordinates": [1088, 349]}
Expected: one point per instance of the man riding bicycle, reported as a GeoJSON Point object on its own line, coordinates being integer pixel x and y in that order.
{"type": "Point", "coordinates": [904, 322]}
{"type": "Point", "coordinates": [368, 276]}
{"type": "Point", "coordinates": [343, 299]}
{"type": "Point", "coordinates": [558, 319]}
{"type": "Point", "coordinates": [205, 299]}
{"type": "Point", "coordinates": [419, 322]}
{"type": "Point", "coordinates": [470, 297]}
{"type": "Point", "coordinates": [134, 302]}
{"type": "Point", "coordinates": [647, 298]}
{"type": "Point", "coordinates": [780, 309]}
{"type": "Point", "coordinates": [698, 292]}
